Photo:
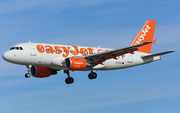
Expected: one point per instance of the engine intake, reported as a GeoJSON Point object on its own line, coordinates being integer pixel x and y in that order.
{"type": "Point", "coordinates": [73, 63]}
{"type": "Point", "coordinates": [42, 72]}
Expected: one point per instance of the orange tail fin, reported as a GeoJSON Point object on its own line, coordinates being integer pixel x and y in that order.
{"type": "Point", "coordinates": [145, 35]}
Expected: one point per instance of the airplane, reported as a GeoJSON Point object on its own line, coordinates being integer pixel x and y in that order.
{"type": "Point", "coordinates": [43, 60]}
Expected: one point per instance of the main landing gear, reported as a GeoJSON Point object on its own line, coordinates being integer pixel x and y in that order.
{"type": "Point", "coordinates": [27, 75]}
{"type": "Point", "coordinates": [70, 80]}
{"type": "Point", "coordinates": [92, 75]}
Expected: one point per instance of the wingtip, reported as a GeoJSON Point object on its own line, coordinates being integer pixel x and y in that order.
{"type": "Point", "coordinates": [171, 51]}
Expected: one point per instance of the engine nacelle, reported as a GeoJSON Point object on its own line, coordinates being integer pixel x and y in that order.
{"type": "Point", "coordinates": [73, 63]}
{"type": "Point", "coordinates": [42, 72]}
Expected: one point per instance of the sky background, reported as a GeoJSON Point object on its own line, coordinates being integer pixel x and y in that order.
{"type": "Point", "coordinates": [150, 88]}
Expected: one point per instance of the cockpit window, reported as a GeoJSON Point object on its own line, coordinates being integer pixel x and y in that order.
{"type": "Point", "coordinates": [12, 48]}
{"type": "Point", "coordinates": [16, 48]}
{"type": "Point", "coordinates": [21, 48]}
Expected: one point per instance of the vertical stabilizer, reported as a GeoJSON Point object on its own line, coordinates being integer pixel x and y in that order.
{"type": "Point", "coordinates": [145, 35]}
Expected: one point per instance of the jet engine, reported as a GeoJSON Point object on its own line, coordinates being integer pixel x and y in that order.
{"type": "Point", "coordinates": [73, 63]}
{"type": "Point", "coordinates": [42, 72]}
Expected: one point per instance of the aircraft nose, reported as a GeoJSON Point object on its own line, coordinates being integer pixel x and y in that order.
{"type": "Point", "coordinates": [6, 56]}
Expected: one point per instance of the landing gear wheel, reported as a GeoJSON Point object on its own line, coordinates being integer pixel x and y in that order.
{"type": "Point", "coordinates": [92, 75]}
{"type": "Point", "coordinates": [69, 80]}
{"type": "Point", "coordinates": [27, 75]}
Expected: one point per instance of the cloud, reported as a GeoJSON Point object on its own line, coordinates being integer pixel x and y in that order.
{"type": "Point", "coordinates": [75, 101]}
{"type": "Point", "coordinates": [94, 39]}
{"type": "Point", "coordinates": [168, 34]}
{"type": "Point", "coordinates": [50, 95]}
{"type": "Point", "coordinates": [17, 5]}
{"type": "Point", "coordinates": [95, 2]}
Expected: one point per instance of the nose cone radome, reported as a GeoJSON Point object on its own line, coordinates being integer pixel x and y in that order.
{"type": "Point", "coordinates": [7, 56]}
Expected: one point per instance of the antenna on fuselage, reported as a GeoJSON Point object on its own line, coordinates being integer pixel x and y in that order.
{"type": "Point", "coordinates": [29, 41]}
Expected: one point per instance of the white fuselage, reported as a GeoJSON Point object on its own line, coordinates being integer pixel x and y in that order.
{"type": "Point", "coordinates": [53, 56]}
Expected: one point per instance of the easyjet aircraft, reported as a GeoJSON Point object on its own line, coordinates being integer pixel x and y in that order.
{"type": "Point", "coordinates": [44, 60]}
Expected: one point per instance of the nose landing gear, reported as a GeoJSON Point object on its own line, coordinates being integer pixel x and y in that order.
{"type": "Point", "coordinates": [27, 75]}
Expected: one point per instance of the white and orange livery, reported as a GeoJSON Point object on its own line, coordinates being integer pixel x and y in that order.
{"type": "Point", "coordinates": [43, 60]}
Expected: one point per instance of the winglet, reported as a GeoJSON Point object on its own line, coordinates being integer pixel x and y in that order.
{"type": "Point", "coordinates": [145, 35]}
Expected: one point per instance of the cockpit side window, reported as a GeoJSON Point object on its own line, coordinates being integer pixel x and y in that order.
{"type": "Point", "coordinates": [21, 48]}
{"type": "Point", "coordinates": [12, 48]}
{"type": "Point", "coordinates": [17, 48]}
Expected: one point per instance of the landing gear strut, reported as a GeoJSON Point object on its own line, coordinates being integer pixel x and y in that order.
{"type": "Point", "coordinates": [27, 75]}
{"type": "Point", "coordinates": [68, 80]}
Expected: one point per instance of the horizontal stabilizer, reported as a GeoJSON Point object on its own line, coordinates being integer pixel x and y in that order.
{"type": "Point", "coordinates": [158, 54]}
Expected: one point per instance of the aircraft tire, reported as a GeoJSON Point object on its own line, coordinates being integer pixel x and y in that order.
{"type": "Point", "coordinates": [69, 80]}
{"type": "Point", "coordinates": [27, 75]}
{"type": "Point", "coordinates": [92, 76]}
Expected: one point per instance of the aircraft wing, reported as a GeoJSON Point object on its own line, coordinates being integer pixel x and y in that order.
{"type": "Point", "coordinates": [99, 58]}
{"type": "Point", "coordinates": [158, 54]}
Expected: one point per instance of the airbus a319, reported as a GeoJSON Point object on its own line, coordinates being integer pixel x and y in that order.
{"type": "Point", "coordinates": [43, 60]}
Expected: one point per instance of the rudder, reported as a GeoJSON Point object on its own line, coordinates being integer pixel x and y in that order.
{"type": "Point", "coordinates": [145, 35]}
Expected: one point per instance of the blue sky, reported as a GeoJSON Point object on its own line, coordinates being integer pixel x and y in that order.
{"type": "Point", "coordinates": [150, 88]}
